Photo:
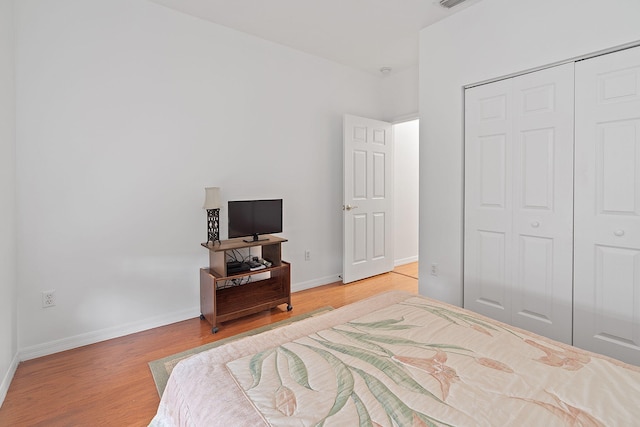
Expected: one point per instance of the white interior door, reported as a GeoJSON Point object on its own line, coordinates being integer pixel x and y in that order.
{"type": "Point", "coordinates": [518, 201]}
{"type": "Point", "coordinates": [488, 200]}
{"type": "Point", "coordinates": [542, 282]}
{"type": "Point", "coordinates": [368, 198]}
{"type": "Point", "coordinates": [607, 203]}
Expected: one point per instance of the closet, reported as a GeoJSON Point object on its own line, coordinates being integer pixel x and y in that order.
{"type": "Point", "coordinates": [552, 202]}
{"type": "Point", "coordinates": [518, 201]}
{"type": "Point", "coordinates": [607, 205]}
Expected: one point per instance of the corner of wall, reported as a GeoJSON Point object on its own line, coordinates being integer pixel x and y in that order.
{"type": "Point", "coordinates": [399, 95]}
{"type": "Point", "coordinates": [8, 377]}
{"type": "Point", "coordinates": [8, 245]}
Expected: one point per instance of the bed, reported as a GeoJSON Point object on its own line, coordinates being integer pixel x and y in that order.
{"type": "Point", "coordinates": [399, 359]}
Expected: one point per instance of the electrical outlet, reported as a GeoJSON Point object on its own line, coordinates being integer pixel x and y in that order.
{"type": "Point", "coordinates": [307, 255]}
{"type": "Point", "coordinates": [48, 298]}
{"type": "Point", "coordinates": [434, 269]}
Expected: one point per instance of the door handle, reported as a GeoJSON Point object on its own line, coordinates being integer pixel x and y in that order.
{"type": "Point", "coordinates": [535, 224]}
{"type": "Point", "coordinates": [348, 207]}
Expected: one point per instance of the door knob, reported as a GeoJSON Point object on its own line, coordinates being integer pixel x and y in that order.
{"type": "Point", "coordinates": [349, 207]}
{"type": "Point", "coordinates": [619, 233]}
{"type": "Point", "coordinates": [535, 224]}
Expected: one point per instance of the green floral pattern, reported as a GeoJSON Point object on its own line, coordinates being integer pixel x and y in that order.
{"type": "Point", "coordinates": [395, 367]}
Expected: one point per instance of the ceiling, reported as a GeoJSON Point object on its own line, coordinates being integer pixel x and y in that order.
{"type": "Point", "coordinates": [363, 34]}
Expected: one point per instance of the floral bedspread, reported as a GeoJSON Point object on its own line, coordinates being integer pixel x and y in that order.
{"type": "Point", "coordinates": [418, 363]}
{"type": "Point", "coordinates": [399, 359]}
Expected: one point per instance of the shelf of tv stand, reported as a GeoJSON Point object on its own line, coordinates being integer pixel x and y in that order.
{"type": "Point", "coordinates": [227, 303]}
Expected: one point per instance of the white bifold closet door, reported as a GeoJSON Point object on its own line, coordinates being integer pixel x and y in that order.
{"type": "Point", "coordinates": [607, 205]}
{"type": "Point", "coordinates": [518, 237]}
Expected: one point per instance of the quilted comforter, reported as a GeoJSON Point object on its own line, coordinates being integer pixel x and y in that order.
{"type": "Point", "coordinates": [398, 359]}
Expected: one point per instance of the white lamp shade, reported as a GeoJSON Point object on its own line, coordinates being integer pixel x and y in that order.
{"type": "Point", "coordinates": [212, 198]}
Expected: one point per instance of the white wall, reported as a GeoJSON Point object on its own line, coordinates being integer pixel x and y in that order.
{"type": "Point", "coordinates": [406, 179]}
{"type": "Point", "coordinates": [400, 102]}
{"type": "Point", "coordinates": [490, 39]}
{"type": "Point", "coordinates": [126, 111]}
{"type": "Point", "coordinates": [400, 95]}
{"type": "Point", "coordinates": [8, 279]}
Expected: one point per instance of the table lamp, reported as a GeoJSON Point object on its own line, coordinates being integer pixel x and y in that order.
{"type": "Point", "coordinates": [212, 205]}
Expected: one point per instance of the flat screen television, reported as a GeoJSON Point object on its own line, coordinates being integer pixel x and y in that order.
{"type": "Point", "coordinates": [254, 217]}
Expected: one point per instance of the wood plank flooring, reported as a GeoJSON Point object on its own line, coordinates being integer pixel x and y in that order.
{"type": "Point", "coordinates": [110, 384]}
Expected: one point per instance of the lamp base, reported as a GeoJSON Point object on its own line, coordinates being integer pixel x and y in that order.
{"type": "Point", "coordinates": [213, 225]}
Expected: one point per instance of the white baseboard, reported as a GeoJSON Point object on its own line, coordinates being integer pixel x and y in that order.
{"type": "Point", "coordinates": [338, 276]}
{"type": "Point", "coordinates": [315, 282]}
{"type": "Point", "coordinates": [404, 261]}
{"type": "Point", "coordinates": [6, 381]}
{"type": "Point", "coordinates": [68, 343]}
{"type": "Point", "coordinates": [93, 337]}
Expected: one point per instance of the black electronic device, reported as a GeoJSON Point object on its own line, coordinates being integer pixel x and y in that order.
{"type": "Point", "coordinates": [233, 264]}
{"type": "Point", "coordinates": [235, 267]}
{"type": "Point", "coordinates": [254, 217]}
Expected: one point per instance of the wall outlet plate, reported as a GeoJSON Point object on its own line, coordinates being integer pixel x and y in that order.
{"type": "Point", "coordinates": [434, 270]}
{"type": "Point", "coordinates": [48, 298]}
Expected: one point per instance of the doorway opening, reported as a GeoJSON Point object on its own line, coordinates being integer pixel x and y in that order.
{"type": "Point", "coordinates": [406, 191]}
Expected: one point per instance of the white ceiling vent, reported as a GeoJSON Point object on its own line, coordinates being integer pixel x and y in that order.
{"type": "Point", "coordinates": [450, 3]}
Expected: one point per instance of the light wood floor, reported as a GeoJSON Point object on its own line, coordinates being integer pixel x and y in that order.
{"type": "Point", "coordinates": [110, 384]}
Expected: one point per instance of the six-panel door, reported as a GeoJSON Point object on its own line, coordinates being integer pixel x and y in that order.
{"type": "Point", "coordinates": [518, 201]}
{"type": "Point", "coordinates": [607, 205]}
{"type": "Point", "coordinates": [368, 198]}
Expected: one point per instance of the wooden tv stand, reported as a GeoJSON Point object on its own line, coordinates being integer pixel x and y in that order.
{"type": "Point", "coordinates": [219, 303]}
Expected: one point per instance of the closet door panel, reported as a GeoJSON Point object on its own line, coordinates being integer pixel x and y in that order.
{"type": "Point", "coordinates": [607, 203]}
{"type": "Point", "coordinates": [617, 302]}
{"type": "Point", "coordinates": [543, 202]}
{"type": "Point", "coordinates": [518, 201]}
{"type": "Point", "coordinates": [488, 204]}
{"type": "Point", "coordinates": [535, 280]}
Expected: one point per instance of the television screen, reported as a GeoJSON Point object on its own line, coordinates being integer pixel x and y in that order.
{"type": "Point", "coordinates": [254, 217]}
